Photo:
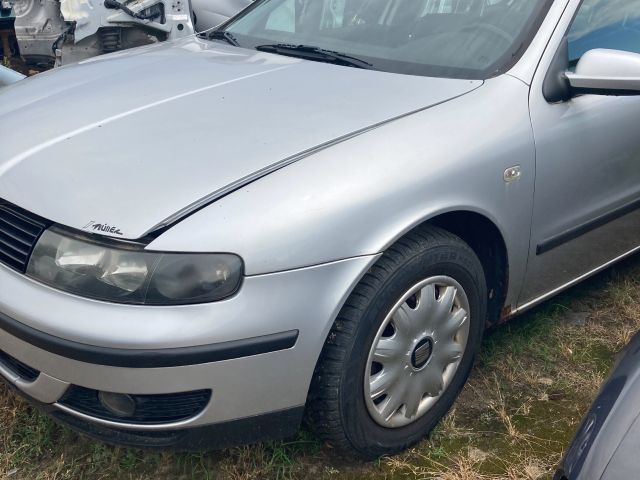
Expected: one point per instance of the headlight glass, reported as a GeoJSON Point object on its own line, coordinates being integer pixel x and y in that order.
{"type": "Point", "coordinates": [132, 275]}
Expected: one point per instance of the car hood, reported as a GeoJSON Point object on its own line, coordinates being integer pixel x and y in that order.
{"type": "Point", "coordinates": [137, 138]}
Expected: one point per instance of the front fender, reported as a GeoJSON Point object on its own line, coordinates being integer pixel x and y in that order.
{"type": "Point", "coordinates": [358, 197]}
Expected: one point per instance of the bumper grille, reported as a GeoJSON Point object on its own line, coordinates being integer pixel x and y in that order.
{"type": "Point", "coordinates": [19, 232]}
{"type": "Point", "coordinates": [150, 409]}
{"type": "Point", "coordinates": [25, 372]}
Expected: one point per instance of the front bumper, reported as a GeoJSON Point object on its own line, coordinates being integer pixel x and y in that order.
{"type": "Point", "coordinates": [269, 426]}
{"type": "Point", "coordinates": [72, 341]}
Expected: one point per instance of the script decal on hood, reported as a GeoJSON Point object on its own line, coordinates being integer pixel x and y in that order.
{"type": "Point", "coordinates": [102, 227]}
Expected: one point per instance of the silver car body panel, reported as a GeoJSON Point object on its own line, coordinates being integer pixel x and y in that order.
{"type": "Point", "coordinates": [135, 327]}
{"type": "Point", "coordinates": [588, 153]}
{"type": "Point", "coordinates": [307, 171]}
{"type": "Point", "coordinates": [314, 194]}
{"type": "Point", "coordinates": [111, 97]}
{"type": "Point", "coordinates": [257, 308]}
{"type": "Point", "coordinates": [526, 67]}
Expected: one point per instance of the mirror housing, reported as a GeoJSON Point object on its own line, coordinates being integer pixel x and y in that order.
{"type": "Point", "coordinates": [606, 72]}
{"type": "Point", "coordinates": [8, 76]}
{"type": "Point", "coordinates": [555, 87]}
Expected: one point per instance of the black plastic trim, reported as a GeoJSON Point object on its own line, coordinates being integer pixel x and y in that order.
{"type": "Point", "coordinates": [26, 233]}
{"type": "Point", "coordinates": [575, 232]}
{"type": "Point", "coordinates": [152, 409]}
{"type": "Point", "coordinates": [604, 92]}
{"type": "Point", "coordinates": [555, 87]}
{"type": "Point", "coordinates": [155, 358]}
{"type": "Point", "coordinates": [268, 426]}
{"type": "Point", "coordinates": [22, 370]}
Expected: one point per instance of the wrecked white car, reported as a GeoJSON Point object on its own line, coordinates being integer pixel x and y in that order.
{"type": "Point", "coordinates": [58, 32]}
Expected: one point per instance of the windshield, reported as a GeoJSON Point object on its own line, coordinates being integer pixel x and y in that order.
{"type": "Point", "coordinates": [474, 39]}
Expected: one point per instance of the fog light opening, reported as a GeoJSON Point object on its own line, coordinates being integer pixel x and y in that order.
{"type": "Point", "coordinates": [120, 404]}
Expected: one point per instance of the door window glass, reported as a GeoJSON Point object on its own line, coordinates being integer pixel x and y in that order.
{"type": "Point", "coordinates": [613, 24]}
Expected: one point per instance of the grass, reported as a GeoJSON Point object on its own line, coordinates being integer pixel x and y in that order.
{"type": "Point", "coordinates": [535, 378]}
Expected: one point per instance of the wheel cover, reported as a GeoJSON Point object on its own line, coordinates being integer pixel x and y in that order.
{"type": "Point", "coordinates": [416, 351]}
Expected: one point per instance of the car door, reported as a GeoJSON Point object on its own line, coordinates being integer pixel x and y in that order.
{"type": "Point", "coordinates": [587, 190]}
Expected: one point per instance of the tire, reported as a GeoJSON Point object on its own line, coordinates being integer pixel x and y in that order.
{"type": "Point", "coordinates": [338, 409]}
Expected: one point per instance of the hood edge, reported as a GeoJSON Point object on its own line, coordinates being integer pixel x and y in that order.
{"type": "Point", "coordinates": [158, 229]}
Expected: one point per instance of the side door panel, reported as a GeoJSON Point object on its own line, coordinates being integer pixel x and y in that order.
{"type": "Point", "coordinates": [587, 197]}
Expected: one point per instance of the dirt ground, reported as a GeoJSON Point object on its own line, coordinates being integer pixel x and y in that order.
{"type": "Point", "coordinates": [535, 378]}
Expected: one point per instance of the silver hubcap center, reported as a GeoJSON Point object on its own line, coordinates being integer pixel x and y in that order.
{"type": "Point", "coordinates": [416, 352]}
{"type": "Point", "coordinates": [422, 353]}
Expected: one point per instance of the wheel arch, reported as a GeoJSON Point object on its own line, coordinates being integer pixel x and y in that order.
{"type": "Point", "coordinates": [486, 239]}
{"type": "Point", "coordinates": [442, 231]}
{"type": "Point", "coordinates": [488, 243]}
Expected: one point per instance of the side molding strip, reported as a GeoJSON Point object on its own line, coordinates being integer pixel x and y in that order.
{"type": "Point", "coordinates": [156, 358]}
{"type": "Point", "coordinates": [586, 227]}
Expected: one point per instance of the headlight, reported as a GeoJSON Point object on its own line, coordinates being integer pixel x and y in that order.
{"type": "Point", "coordinates": [132, 275]}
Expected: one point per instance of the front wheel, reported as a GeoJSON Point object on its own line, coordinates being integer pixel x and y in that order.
{"type": "Point", "coordinates": [402, 347]}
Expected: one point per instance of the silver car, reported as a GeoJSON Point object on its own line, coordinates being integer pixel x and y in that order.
{"type": "Point", "coordinates": [312, 211]}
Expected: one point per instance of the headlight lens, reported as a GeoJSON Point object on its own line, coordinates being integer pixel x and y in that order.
{"type": "Point", "coordinates": [131, 275]}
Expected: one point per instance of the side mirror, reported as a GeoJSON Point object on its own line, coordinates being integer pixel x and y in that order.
{"type": "Point", "coordinates": [606, 72]}
{"type": "Point", "coordinates": [8, 76]}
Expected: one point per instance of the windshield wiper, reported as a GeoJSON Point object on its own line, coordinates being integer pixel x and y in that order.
{"type": "Point", "coordinates": [223, 35]}
{"type": "Point", "coordinates": [309, 52]}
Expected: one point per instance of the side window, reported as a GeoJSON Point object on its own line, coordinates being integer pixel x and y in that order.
{"type": "Point", "coordinates": [613, 24]}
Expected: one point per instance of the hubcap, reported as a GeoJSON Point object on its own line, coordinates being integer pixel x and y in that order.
{"type": "Point", "coordinates": [416, 352]}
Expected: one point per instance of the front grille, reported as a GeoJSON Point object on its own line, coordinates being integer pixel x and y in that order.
{"type": "Point", "coordinates": [19, 232]}
{"type": "Point", "coordinates": [149, 409]}
{"type": "Point", "coordinates": [25, 372]}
